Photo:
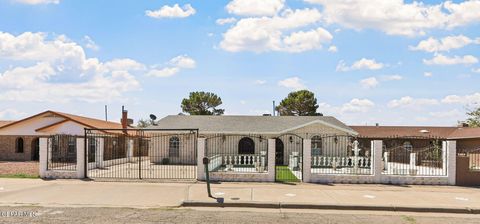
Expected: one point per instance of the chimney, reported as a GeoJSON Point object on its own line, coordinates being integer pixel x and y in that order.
{"type": "Point", "coordinates": [124, 119]}
{"type": "Point", "coordinates": [377, 124]}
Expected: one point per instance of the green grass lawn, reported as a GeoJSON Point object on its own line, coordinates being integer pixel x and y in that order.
{"type": "Point", "coordinates": [284, 174]}
{"type": "Point", "coordinates": [19, 175]}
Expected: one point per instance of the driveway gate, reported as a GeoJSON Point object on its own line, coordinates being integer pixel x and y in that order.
{"type": "Point", "coordinates": [141, 154]}
{"type": "Point", "coordinates": [289, 158]}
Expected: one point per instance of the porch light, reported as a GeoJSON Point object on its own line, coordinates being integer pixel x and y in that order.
{"type": "Point", "coordinates": [335, 140]}
{"type": "Point", "coordinates": [290, 139]}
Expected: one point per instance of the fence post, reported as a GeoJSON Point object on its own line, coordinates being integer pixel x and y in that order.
{"type": "Point", "coordinates": [307, 160]}
{"type": "Point", "coordinates": [81, 158]}
{"type": "Point", "coordinates": [271, 160]}
{"type": "Point", "coordinates": [43, 157]}
{"type": "Point", "coordinates": [451, 149]}
{"type": "Point", "coordinates": [377, 148]}
{"type": "Point", "coordinates": [200, 155]}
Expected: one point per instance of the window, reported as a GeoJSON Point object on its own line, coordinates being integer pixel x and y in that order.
{"type": "Point", "coordinates": [19, 145]}
{"type": "Point", "coordinates": [72, 144]}
{"type": "Point", "coordinates": [174, 147]}
{"type": "Point", "coordinates": [407, 146]}
{"type": "Point", "coordinates": [316, 145]}
{"type": "Point", "coordinates": [246, 146]}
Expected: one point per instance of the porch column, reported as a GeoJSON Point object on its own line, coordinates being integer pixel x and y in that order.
{"type": "Point", "coordinates": [81, 158]}
{"type": "Point", "coordinates": [377, 148]}
{"type": "Point", "coordinates": [271, 160]}
{"type": "Point", "coordinates": [200, 155]}
{"type": "Point", "coordinates": [130, 150]}
{"type": "Point", "coordinates": [99, 151]}
{"type": "Point", "coordinates": [43, 153]}
{"type": "Point", "coordinates": [451, 147]}
{"type": "Point", "coordinates": [307, 160]}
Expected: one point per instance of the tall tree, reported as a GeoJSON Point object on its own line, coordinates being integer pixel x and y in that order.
{"type": "Point", "coordinates": [299, 103]}
{"type": "Point", "coordinates": [202, 103]}
{"type": "Point", "coordinates": [473, 119]}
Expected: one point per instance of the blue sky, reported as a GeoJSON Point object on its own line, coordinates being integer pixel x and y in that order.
{"type": "Point", "coordinates": [389, 62]}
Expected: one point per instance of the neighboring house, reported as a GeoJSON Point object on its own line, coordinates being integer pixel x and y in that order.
{"type": "Point", "coordinates": [418, 136]}
{"type": "Point", "coordinates": [19, 140]}
{"type": "Point", "coordinates": [248, 135]}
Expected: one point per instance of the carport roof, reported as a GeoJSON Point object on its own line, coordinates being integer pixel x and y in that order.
{"type": "Point", "coordinates": [247, 124]}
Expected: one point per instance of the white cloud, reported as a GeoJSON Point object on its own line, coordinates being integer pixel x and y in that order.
{"type": "Point", "coordinates": [333, 49]}
{"type": "Point", "coordinates": [183, 61]}
{"type": "Point", "coordinates": [11, 114]}
{"type": "Point", "coordinates": [175, 65]}
{"type": "Point", "coordinates": [369, 83]}
{"type": "Point", "coordinates": [395, 17]}
{"type": "Point", "coordinates": [255, 7]}
{"type": "Point", "coordinates": [57, 70]}
{"type": "Point", "coordinates": [294, 83]}
{"type": "Point", "coordinates": [164, 72]}
{"type": "Point", "coordinates": [226, 21]}
{"type": "Point", "coordinates": [476, 70]}
{"type": "Point", "coordinates": [174, 11]}
{"type": "Point", "coordinates": [90, 44]}
{"type": "Point", "coordinates": [465, 100]}
{"type": "Point", "coordinates": [444, 44]}
{"type": "Point", "coordinates": [38, 2]}
{"type": "Point", "coordinates": [259, 82]}
{"type": "Point", "coordinates": [363, 63]}
{"type": "Point", "coordinates": [392, 78]}
{"type": "Point", "coordinates": [427, 74]}
{"type": "Point", "coordinates": [278, 33]}
{"type": "Point", "coordinates": [357, 105]}
{"type": "Point", "coordinates": [441, 59]}
{"type": "Point", "coordinates": [409, 102]}
{"type": "Point", "coordinates": [450, 114]}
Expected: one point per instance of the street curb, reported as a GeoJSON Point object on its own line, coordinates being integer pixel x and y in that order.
{"type": "Point", "coordinates": [284, 205]}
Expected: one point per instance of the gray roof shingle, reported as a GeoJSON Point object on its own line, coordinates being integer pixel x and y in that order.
{"type": "Point", "coordinates": [244, 124]}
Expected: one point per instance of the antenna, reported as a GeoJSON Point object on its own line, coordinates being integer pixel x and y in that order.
{"type": "Point", "coordinates": [106, 113]}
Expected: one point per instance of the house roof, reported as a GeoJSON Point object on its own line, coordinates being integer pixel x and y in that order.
{"type": "Point", "coordinates": [416, 131]}
{"type": "Point", "coordinates": [3, 123]}
{"type": "Point", "coordinates": [85, 121]}
{"type": "Point", "coordinates": [246, 124]}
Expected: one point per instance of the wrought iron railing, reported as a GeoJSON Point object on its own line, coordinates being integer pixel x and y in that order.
{"type": "Point", "coordinates": [237, 153]}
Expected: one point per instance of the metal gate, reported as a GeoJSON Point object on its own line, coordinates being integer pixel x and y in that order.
{"type": "Point", "coordinates": [141, 154]}
{"type": "Point", "coordinates": [289, 158]}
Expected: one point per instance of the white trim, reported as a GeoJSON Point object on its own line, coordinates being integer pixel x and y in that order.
{"type": "Point", "coordinates": [321, 122]}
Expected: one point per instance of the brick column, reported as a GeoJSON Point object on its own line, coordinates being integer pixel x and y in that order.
{"type": "Point", "coordinates": [307, 160]}
{"type": "Point", "coordinates": [81, 158]}
{"type": "Point", "coordinates": [377, 148]}
{"type": "Point", "coordinates": [43, 157]}
{"type": "Point", "coordinates": [271, 160]}
{"type": "Point", "coordinates": [200, 155]}
{"type": "Point", "coordinates": [451, 161]}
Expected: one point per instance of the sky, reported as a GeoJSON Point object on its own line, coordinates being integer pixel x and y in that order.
{"type": "Point", "coordinates": [393, 62]}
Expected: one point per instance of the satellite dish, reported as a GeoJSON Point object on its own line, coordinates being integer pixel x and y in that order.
{"type": "Point", "coordinates": [153, 117]}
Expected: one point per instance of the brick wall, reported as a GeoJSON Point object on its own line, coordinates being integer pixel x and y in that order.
{"type": "Point", "coordinates": [8, 145]}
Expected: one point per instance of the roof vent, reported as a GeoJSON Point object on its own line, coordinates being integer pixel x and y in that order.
{"type": "Point", "coordinates": [424, 131]}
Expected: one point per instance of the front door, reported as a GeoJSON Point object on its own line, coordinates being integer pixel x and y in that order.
{"type": "Point", "coordinates": [279, 151]}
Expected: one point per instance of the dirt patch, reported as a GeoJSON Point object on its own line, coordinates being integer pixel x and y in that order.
{"type": "Point", "coordinates": [18, 169]}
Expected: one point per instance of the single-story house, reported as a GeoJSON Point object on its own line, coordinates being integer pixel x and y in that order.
{"type": "Point", "coordinates": [19, 140]}
{"type": "Point", "coordinates": [244, 138]}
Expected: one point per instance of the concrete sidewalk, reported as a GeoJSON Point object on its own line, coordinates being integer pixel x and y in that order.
{"type": "Point", "coordinates": [76, 193]}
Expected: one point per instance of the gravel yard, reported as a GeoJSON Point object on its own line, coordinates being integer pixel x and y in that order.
{"type": "Point", "coordinates": [19, 169]}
